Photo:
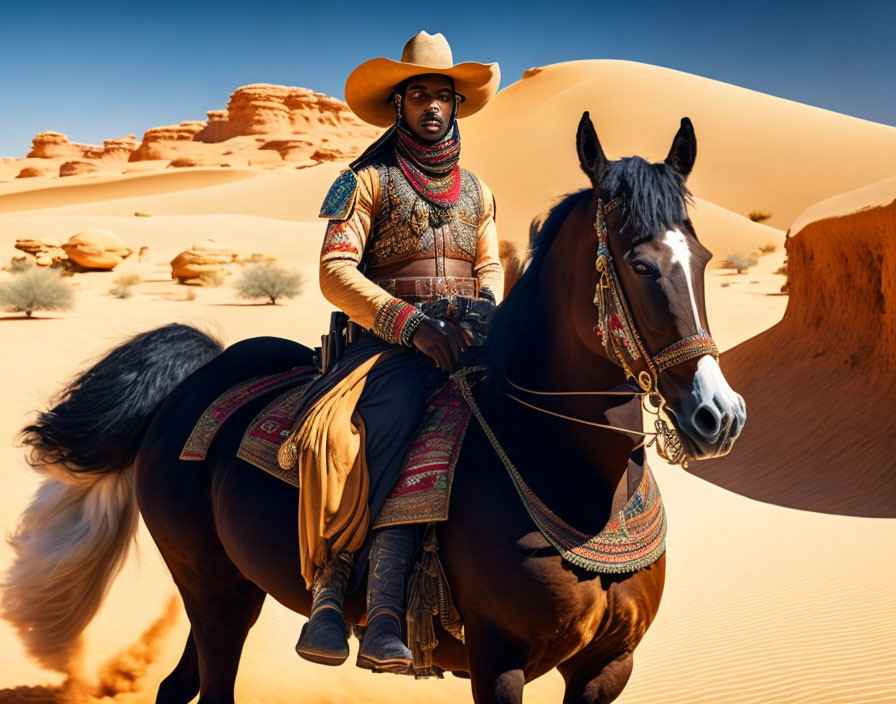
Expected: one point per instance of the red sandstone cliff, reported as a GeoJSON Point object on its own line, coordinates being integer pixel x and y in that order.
{"type": "Point", "coordinates": [820, 385]}
{"type": "Point", "coordinates": [262, 124]}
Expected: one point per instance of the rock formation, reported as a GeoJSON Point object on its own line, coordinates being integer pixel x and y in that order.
{"type": "Point", "coordinates": [47, 145]}
{"type": "Point", "coordinates": [187, 161]}
{"type": "Point", "coordinates": [78, 166]}
{"type": "Point", "coordinates": [819, 384]}
{"type": "Point", "coordinates": [305, 128]}
{"type": "Point", "coordinates": [120, 148]}
{"type": "Point", "coordinates": [46, 252]}
{"type": "Point", "coordinates": [97, 249]}
{"type": "Point", "coordinates": [31, 172]}
{"type": "Point", "coordinates": [291, 149]}
{"type": "Point", "coordinates": [262, 108]}
{"type": "Point", "coordinates": [163, 142]}
{"type": "Point", "coordinates": [205, 256]}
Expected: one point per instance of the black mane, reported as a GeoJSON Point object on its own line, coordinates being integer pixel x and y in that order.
{"type": "Point", "coordinates": [656, 196]}
{"type": "Point", "coordinates": [655, 200]}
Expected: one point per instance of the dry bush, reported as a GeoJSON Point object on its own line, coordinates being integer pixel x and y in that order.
{"type": "Point", "coordinates": [138, 214]}
{"type": "Point", "coordinates": [18, 265]}
{"type": "Point", "coordinates": [739, 262]}
{"type": "Point", "coordinates": [124, 285]}
{"type": "Point", "coordinates": [36, 289]}
{"type": "Point", "coordinates": [268, 281]}
{"type": "Point", "coordinates": [758, 215]}
{"type": "Point", "coordinates": [768, 248]}
{"type": "Point", "coordinates": [211, 279]}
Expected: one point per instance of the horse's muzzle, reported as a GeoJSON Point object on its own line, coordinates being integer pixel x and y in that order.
{"type": "Point", "coordinates": [711, 416]}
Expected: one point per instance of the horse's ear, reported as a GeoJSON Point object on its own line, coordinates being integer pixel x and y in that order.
{"type": "Point", "coordinates": [591, 156]}
{"type": "Point", "coordinates": [684, 149]}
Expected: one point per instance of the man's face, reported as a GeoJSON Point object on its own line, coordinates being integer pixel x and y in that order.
{"type": "Point", "coordinates": [428, 102]}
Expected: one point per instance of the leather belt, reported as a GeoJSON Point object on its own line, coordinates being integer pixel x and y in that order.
{"type": "Point", "coordinates": [422, 289]}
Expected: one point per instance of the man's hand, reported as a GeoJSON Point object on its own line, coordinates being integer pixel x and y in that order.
{"type": "Point", "coordinates": [441, 341]}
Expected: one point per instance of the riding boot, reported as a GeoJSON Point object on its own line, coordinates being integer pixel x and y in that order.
{"type": "Point", "coordinates": [324, 638]}
{"type": "Point", "coordinates": [383, 649]}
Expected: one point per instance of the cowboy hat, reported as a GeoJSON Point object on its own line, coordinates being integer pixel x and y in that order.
{"type": "Point", "coordinates": [370, 86]}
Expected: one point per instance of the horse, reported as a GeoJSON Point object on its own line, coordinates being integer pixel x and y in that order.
{"type": "Point", "coordinates": [227, 531]}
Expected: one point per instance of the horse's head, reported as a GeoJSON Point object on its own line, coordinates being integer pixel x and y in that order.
{"type": "Point", "coordinates": [650, 306]}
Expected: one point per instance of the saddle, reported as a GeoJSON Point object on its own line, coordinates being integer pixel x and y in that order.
{"type": "Point", "coordinates": [423, 490]}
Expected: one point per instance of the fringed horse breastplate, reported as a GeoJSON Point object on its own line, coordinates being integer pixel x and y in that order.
{"type": "Point", "coordinates": [408, 228]}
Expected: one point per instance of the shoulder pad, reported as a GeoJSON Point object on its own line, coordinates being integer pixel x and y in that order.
{"type": "Point", "coordinates": [340, 200]}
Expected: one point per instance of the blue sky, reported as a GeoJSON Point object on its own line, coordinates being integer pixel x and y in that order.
{"type": "Point", "coordinates": [96, 70]}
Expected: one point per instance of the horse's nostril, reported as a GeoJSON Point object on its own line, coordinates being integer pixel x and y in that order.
{"type": "Point", "coordinates": [706, 421]}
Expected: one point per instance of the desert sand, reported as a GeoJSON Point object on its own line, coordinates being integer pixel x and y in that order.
{"type": "Point", "coordinates": [780, 556]}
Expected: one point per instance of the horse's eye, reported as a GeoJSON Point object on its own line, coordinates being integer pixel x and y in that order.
{"type": "Point", "coordinates": [644, 269]}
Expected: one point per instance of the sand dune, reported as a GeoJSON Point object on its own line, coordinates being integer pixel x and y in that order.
{"type": "Point", "coordinates": [818, 384]}
{"type": "Point", "coordinates": [285, 193]}
{"type": "Point", "coordinates": [87, 189]}
{"type": "Point", "coordinates": [755, 151]}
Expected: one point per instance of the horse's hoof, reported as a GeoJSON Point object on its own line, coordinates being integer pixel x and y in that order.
{"type": "Point", "coordinates": [324, 642]}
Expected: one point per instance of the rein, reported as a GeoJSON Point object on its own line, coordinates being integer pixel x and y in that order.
{"type": "Point", "coordinates": [629, 542]}
{"type": "Point", "coordinates": [621, 339]}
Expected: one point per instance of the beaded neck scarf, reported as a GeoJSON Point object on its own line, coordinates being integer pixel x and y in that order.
{"type": "Point", "coordinates": [431, 168]}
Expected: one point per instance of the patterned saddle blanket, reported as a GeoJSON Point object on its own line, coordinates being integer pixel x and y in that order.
{"type": "Point", "coordinates": [633, 538]}
{"type": "Point", "coordinates": [423, 489]}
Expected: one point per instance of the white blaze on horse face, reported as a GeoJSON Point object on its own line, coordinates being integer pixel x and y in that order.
{"type": "Point", "coordinates": [681, 254]}
{"type": "Point", "coordinates": [711, 389]}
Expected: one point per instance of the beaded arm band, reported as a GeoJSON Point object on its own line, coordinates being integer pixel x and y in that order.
{"type": "Point", "coordinates": [397, 321]}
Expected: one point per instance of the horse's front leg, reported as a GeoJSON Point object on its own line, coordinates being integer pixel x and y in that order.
{"type": "Point", "coordinates": [496, 665]}
{"type": "Point", "coordinates": [588, 681]}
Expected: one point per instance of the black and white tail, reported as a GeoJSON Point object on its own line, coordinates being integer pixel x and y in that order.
{"type": "Point", "coordinates": [74, 536]}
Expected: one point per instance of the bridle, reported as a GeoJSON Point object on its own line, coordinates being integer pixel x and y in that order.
{"type": "Point", "coordinates": [623, 343]}
{"type": "Point", "coordinates": [617, 328]}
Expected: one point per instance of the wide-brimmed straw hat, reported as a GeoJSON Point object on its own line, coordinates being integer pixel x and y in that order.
{"type": "Point", "coordinates": [370, 86]}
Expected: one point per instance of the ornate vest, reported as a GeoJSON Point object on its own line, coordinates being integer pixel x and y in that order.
{"type": "Point", "coordinates": [408, 228]}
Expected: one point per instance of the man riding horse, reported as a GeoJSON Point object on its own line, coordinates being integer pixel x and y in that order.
{"type": "Point", "coordinates": [411, 256]}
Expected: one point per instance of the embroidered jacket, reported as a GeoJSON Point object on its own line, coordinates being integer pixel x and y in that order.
{"type": "Point", "coordinates": [376, 214]}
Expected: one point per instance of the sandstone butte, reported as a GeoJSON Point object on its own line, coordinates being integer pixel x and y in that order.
{"type": "Point", "coordinates": [260, 122]}
{"type": "Point", "coordinates": [819, 384]}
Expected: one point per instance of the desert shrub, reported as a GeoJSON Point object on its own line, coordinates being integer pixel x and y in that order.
{"type": "Point", "coordinates": [36, 289]}
{"type": "Point", "coordinates": [738, 262]}
{"type": "Point", "coordinates": [138, 214]}
{"type": "Point", "coordinates": [758, 215]}
{"type": "Point", "coordinates": [211, 279]}
{"type": "Point", "coordinates": [268, 281]}
{"type": "Point", "coordinates": [124, 285]}
{"type": "Point", "coordinates": [17, 265]}
{"type": "Point", "coordinates": [768, 248]}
